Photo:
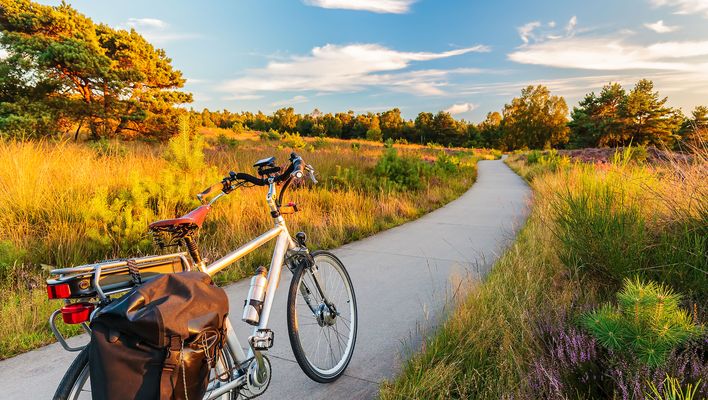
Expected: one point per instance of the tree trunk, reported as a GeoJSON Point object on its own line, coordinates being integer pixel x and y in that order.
{"type": "Point", "coordinates": [76, 135]}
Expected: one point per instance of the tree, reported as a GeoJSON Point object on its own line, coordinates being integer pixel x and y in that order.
{"type": "Point", "coordinates": [646, 118]}
{"type": "Point", "coordinates": [490, 130]}
{"type": "Point", "coordinates": [285, 120]}
{"type": "Point", "coordinates": [424, 127]}
{"type": "Point", "coordinates": [332, 125]}
{"type": "Point", "coordinates": [694, 131]}
{"type": "Point", "coordinates": [114, 80]}
{"type": "Point", "coordinates": [596, 121]}
{"type": "Point", "coordinates": [391, 124]}
{"type": "Point", "coordinates": [535, 120]}
{"type": "Point", "coordinates": [444, 128]}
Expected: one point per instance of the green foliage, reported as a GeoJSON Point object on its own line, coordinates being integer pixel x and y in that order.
{"type": "Point", "coordinates": [447, 163]}
{"type": "Point", "coordinates": [72, 70]}
{"type": "Point", "coordinates": [647, 322]}
{"type": "Point", "coordinates": [292, 141]}
{"type": "Point", "coordinates": [186, 150]}
{"type": "Point", "coordinates": [403, 172]}
{"type": "Point", "coordinates": [223, 140]}
{"type": "Point", "coordinates": [374, 134]}
{"type": "Point", "coordinates": [9, 255]}
{"type": "Point", "coordinates": [671, 389]}
{"type": "Point", "coordinates": [536, 120]}
{"type": "Point", "coordinates": [270, 135]}
{"type": "Point", "coordinates": [618, 118]}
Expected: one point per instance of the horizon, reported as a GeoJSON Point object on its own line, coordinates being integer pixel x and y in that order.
{"type": "Point", "coordinates": [340, 55]}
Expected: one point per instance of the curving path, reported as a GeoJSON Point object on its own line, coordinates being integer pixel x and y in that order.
{"type": "Point", "coordinates": [403, 277]}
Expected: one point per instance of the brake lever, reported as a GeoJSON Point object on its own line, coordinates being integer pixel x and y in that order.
{"type": "Point", "coordinates": [311, 173]}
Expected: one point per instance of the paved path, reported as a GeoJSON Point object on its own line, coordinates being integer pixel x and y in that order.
{"type": "Point", "coordinates": [402, 278]}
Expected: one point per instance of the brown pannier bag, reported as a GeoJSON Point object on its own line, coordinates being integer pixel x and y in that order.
{"type": "Point", "coordinates": [159, 336]}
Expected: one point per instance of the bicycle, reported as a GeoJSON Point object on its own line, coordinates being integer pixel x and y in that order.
{"type": "Point", "coordinates": [320, 301]}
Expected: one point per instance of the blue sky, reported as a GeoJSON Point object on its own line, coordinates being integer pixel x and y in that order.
{"type": "Point", "coordinates": [467, 57]}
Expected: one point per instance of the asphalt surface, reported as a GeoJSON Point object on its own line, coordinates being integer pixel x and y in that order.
{"type": "Point", "coordinates": [403, 279]}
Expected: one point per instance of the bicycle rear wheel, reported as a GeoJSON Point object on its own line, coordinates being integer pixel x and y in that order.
{"type": "Point", "coordinates": [76, 383]}
{"type": "Point", "coordinates": [322, 317]}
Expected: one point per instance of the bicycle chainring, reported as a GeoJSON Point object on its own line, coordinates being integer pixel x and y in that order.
{"type": "Point", "coordinates": [250, 391]}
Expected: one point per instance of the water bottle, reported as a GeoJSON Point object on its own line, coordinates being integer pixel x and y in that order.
{"type": "Point", "coordinates": [256, 293]}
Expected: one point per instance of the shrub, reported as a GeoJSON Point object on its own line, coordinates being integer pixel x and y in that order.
{"type": "Point", "coordinates": [374, 135]}
{"type": "Point", "coordinates": [388, 143]}
{"type": "Point", "coordinates": [270, 135]}
{"type": "Point", "coordinates": [401, 141]}
{"type": "Point", "coordinates": [293, 141]}
{"type": "Point", "coordinates": [447, 163]}
{"type": "Point", "coordinates": [186, 149]}
{"type": "Point", "coordinates": [647, 322]}
{"type": "Point", "coordinates": [319, 143]}
{"type": "Point", "coordinates": [533, 157]}
{"type": "Point", "coordinates": [403, 172]}
{"type": "Point", "coordinates": [225, 141]}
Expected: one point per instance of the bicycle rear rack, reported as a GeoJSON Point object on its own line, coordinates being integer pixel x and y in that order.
{"type": "Point", "coordinates": [94, 272]}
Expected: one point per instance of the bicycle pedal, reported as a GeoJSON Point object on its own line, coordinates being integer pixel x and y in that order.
{"type": "Point", "coordinates": [262, 340]}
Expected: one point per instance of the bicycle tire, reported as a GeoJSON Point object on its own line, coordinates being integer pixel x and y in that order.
{"type": "Point", "coordinates": [314, 373]}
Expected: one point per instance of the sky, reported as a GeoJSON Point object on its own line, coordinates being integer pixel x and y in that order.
{"type": "Point", "coordinates": [465, 57]}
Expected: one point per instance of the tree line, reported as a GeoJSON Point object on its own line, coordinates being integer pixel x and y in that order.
{"type": "Point", "coordinates": [534, 120]}
{"type": "Point", "coordinates": [63, 73]}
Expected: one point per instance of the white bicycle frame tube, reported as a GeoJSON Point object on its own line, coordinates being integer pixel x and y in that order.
{"type": "Point", "coordinates": [283, 243]}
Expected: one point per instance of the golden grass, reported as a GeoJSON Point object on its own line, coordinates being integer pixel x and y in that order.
{"type": "Point", "coordinates": [64, 204]}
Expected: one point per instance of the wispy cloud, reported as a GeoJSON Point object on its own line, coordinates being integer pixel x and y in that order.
{"type": "Point", "coordinates": [535, 31]}
{"type": "Point", "coordinates": [295, 100]}
{"type": "Point", "coordinates": [156, 30]}
{"type": "Point", "coordinates": [377, 6]}
{"type": "Point", "coordinates": [335, 68]}
{"type": "Point", "coordinates": [685, 6]}
{"type": "Point", "coordinates": [461, 108]}
{"type": "Point", "coordinates": [660, 27]}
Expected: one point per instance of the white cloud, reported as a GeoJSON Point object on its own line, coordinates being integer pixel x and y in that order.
{"type": "Point", "coordinates": [243, 97]}
{"type": "Point", "coordinates": [659, 27]}
{"type": "Point", "coordinates": [570, 28]}
{"type": "Point", "coordinates": [461, 108]}
{"type": "Point", "coordinates": [530, 31]}
{"type": "Point", "coordinates": [377, 6]}
{"type": "Point", "coordinates": [613, 54]}
{"type": "Point", "coordinates": [685, 6]}
{"type": "Point", "coordinates": [526, 31]}
{"type": "Point", "coordinates": [155, 30]}
{"type": "Point", "coordinates": [295, 100]}
{"type": "Point", "coordinates": [146, 23]}
{"type": "Point", "coordinates": [335, 68]}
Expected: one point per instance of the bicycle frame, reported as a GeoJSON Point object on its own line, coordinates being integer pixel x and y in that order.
{"type": "Point", "coordinates": [283, 244]}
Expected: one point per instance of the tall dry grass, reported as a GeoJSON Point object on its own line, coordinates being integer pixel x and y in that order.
{"type": "Point", "coordinates": [64, 204]}
{"type": "Point", "coordinates": [591, 226]}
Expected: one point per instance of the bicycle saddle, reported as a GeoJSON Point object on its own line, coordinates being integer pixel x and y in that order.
{"type": "Point", "coordinates": [266, 162]}
{"type": "Point", "coordinates": [194, 217]}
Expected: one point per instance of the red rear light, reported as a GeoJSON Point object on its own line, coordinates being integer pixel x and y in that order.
{"type": "Point", "coordinates": [76, 313]}
{"type": "Point", "coordinates": [61, 291]}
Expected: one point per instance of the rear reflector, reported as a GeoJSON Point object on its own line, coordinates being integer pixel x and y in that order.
{"type": "Point", "coordinates": [76, 313]}
{"type": "Point", "coordinates": [61, 291]}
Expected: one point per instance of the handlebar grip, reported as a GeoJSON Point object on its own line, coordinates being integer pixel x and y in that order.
{"type": "Point", "coordinates": [298, 166]}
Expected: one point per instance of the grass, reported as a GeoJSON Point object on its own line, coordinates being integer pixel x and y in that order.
{"type": "Point", "coordinates": [517, 334]}
{"type": "Point", "coordinates": [65, 204]}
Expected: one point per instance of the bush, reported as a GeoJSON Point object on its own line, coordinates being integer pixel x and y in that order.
{"type": "Point", "coordinates": [647, 322]}
{"type": "Point", "coordinates": [292, 141]}
{"type": "Point", "coordinates": [447, 163]}
{"type": "Point", "coordinates": [270, 135]}
{"type": "Point", "coordinates": [186, 149]}
{"type": "Point", "coordinates": [374, 135]}
{"type": "Point", "coordinates": [403, 172]}
{"type": "Point", "coordinates": [225, 141]}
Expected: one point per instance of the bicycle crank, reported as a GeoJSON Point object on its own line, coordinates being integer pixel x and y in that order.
{"type": "Point", "coordinates": [257, 378]}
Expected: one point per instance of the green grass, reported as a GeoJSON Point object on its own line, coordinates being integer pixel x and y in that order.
{"type": "Point", "coordinates": [591, 226]}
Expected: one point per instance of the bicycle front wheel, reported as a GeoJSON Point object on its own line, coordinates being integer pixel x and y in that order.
{"type": "Point", "coordinates": [322, 317]}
